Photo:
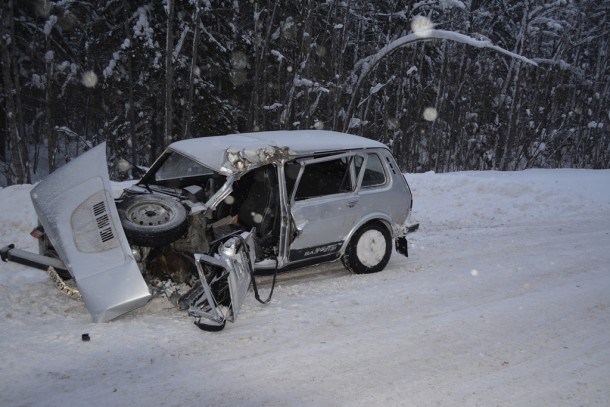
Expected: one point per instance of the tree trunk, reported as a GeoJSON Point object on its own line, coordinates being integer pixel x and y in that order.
{"type": "Point", "coordinates": [11, 114]}
{"type": "Point", "coordinates": [169, 74]}
{"type": "Point", "coordinates": [131, 117]}
{"type": "Point", "coordinates": [191, 89]}
{"type": "Point", "coordinates": [49, 125]}
{"type": "Point", "coordinates": [260, 56]}
{"type": "Point", "coordinates": [23, 143]}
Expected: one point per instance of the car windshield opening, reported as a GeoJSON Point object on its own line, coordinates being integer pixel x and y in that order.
{"type": "Point", "coordinates": [178, 166]}
{"type": "Point", "coordinates": [175, 170]}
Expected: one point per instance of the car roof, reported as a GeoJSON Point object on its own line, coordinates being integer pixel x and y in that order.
{"type": "Point", "coordinates": [211, 150]}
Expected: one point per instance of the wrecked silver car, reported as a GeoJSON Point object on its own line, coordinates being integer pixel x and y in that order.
{"type": "Point", "coordinates": [212, 212]}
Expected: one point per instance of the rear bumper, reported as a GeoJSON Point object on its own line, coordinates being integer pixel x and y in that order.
{"type": "Point", "coordinates": [412, 228]}
{"type": "Point", "coordinates": [401, 244]}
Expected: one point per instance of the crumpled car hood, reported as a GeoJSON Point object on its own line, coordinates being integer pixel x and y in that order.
{"type": "Point", "coordinates": [75, 206]}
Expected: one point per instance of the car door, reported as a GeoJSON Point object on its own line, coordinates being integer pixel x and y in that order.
{"type": "Point", "coordinates": [324, 205]}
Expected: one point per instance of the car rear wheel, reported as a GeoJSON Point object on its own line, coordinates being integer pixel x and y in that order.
{"type": "Point", "coordinates": [369, 249]}
{"type": "Point", "coordinates": [152, 220]}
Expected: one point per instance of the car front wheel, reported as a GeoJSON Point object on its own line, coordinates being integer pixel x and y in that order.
{"type": "Point", "coordinates": [369, 249]}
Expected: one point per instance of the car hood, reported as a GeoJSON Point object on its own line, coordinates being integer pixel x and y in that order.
{"type": "Point", "coordinates": [75, 206]}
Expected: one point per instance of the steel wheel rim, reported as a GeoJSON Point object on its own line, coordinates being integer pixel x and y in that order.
{"type": "Point", "coordinates": [149, 214]}
{"type": "Point", "coordinates": [371, 248]}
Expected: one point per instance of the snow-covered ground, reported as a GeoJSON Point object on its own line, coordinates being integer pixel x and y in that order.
{"type": "Point", "coordinates": [505, 301]}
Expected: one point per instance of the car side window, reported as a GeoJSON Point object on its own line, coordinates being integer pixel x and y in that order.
{"type": "Point", "coordinates": [374, 174]}
{"type": "Point", "coordinates": [325, 178]}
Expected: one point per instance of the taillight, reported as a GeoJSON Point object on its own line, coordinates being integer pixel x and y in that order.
{"type": "Point", "coordinates": [37, 232]}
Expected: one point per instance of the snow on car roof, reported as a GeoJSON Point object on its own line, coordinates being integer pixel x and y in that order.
{"type": "Point", "coordinates": [211, 150]}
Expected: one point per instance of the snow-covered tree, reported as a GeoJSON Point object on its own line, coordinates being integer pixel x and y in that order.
{"type": "Point", "coordinates": [140, 75]}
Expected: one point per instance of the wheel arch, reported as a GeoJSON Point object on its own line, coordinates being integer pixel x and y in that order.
{"type": "Point", "coordinates": [379, 218]}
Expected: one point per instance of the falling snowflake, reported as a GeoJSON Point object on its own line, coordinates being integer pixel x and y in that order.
{"type": "Point", "coordinates": [89, 79]}
{"type": "Point", "coordinates": [430, 114]}
{"type": "Point", "coordinates": [421, 26]}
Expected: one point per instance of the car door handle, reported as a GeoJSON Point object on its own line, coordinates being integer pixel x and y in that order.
{"type": "Point", "coordinates": [351, 204]}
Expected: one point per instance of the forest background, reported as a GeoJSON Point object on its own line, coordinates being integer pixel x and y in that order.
{"type": "Point", "coordinates": [140, 75]}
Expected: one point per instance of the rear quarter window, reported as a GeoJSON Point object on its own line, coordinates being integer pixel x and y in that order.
{"type": "Point", "coordinates": [374, 173]}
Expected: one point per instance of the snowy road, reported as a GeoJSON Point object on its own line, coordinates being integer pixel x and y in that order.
{"type": "Point", "coordinates": [504, 301]}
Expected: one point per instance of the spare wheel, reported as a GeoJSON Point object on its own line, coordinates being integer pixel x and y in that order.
{"type": "Point", "coordinates": [152, 220]}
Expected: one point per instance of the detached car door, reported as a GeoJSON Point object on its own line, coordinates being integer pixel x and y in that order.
{"type": "Point", "coordinates": [76, 208]}
{"type": "Point", "coordinates": [324, 205]}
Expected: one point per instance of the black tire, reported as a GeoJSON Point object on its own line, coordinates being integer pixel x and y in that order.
{"type": "Point", "coordinates": [210, 327]}
{"type": "Point", "coordinates": [369, 249]}
{"type": "Point", "coordinates": [152, 220]}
